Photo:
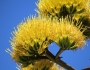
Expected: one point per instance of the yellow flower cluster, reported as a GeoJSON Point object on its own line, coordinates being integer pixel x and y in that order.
{"type": "Point", "coordinates": [53, 7]}
{"type": "Point", "coordinates": [65, 28]}
{"type": "Point", "coordinates": [39, 29]}
{"type": "Point", "coordinates": [34, 30]}
{"type": "Point", "coordinates": [39, 65]}
{"type": "Point", "coordinates": [88, 6]}
{"type": "Point", "coordinates": [59, 22]}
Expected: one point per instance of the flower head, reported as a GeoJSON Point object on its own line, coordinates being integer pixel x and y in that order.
{"type": "Point", "coordinates": [34, 35]}
{"type": "Point", "coordinates": [67, 31]}
{"type": "Point", "coordinates": [59, 8]}
{"type": "Point", "coordinates": [40, 65]}
{"type": "Point", "coordinates": [88, 6]}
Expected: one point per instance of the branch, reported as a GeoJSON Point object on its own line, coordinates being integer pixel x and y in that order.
{"type": "Point", "coordinates": [58, 61]}
{"type": "Point", "coordinates": [87, 26]}
{"type": "Point", "coordinates": [86, 68]}
{"type": "Point", "coordinates": [59, 52]}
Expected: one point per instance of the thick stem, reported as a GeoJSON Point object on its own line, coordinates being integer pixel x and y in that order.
{"type": "Point", "coordinates": [58, 61]}
{"type": "Point", "coordinates": [59, 52]}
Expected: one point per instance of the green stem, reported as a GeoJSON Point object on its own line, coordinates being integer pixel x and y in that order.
{"type": "Point", "coordinates": [59, 52]}
{"type": "Point", "coordinates": [58, 61]}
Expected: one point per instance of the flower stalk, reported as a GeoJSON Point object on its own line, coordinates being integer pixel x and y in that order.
{"type": "Point", "coordinates": [59, 52]}
{"type": "Point", "coordinates": [58, 61]}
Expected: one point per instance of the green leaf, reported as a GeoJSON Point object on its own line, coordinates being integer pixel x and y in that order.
{"type": "Point", "coordinates": [64, 42]}
{"type": "Point", "coordinates": [73, 47]}
{"type": "Point", "coordinates": [81, 11]}
{"type": "Point", "coordinates": [67, 42]}
{"type": "Point", "coordinates": [60, 43]}
{"type": "Point", "coordinates": [45, 68]}
{"type": "Point", "coordinates": [24, 58]}
{"type": "Point", "coordinates": [72, 9]}
{"type": "Point", "coordinates": [72, 44]}
{"type": "Point", "coordinates": [36, 46]}
{"type": "Point", "coordinates": [30, 48]}
{"type": "Point", "coordinates": [63, 11]}
{"type": "Point", "coordinates": [46, 39]}
{"type": "Point", "coordinates": [32, 51]}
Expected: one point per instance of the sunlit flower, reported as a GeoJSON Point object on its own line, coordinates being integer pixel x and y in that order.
{"type": "Point", "coordinates": [88, 6]}
{"type": "Point", "coordinates": [53, 7]}
{"type": "Point", "coordinates": [40, 65]}
{"type": "Point", "coordinates": [36, 34]}
{"type": "Point", "coordinates": [32, 31]}
{"type": "Point", "coordinates": [67, 29]}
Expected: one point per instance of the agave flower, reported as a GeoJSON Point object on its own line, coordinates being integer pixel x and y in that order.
{"type": "Point", "coordinates": [42, 65]}
{"type": "Point", "coordinates": [68, 33]}
{"type": "Point", "coordinates": [35, 34]}
{"type": "Point", "coordinates": [32, 37]}
{"type": "Point", "coordinates": [75, 8]}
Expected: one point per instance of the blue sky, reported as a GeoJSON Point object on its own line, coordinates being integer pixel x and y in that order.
{"type": "Point", "coordinates": [12, 12]}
